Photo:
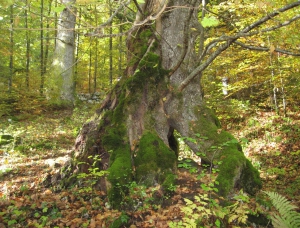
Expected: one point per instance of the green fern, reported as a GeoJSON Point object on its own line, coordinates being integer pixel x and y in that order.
{"type": "Point", "coordinates": [288, 218]}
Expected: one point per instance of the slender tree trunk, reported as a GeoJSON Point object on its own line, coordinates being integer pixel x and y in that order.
{"type": "Point", "coordinates": [27, 45]}
{"type": "Point", "coordinates": [95, 67]}
{"type": "Point", "coordinates": [47, 38]}
{"type": "Point", "coordinates": [133, 131]}
{"type": "Point", "coordinates": [11, 58]}
{"type": "Point", "coordinates": [110, 52]}
{"type": "Point", "coordinates": [96, 55]}
{"type": "Point", "coordinates": [42, 49]}
{"type": "Point", "coordinates": [55, 23]}
{"type": "Point", "coordinates": [90, 67]}
{"type": "Point", "coordinates": [120, 52]}
{"type": "Point", "coordinates": [77, 51]}
{"type": "Point", "coordinates": [283, 96]}
{"type": "Point", "coordinates": [61, 81]}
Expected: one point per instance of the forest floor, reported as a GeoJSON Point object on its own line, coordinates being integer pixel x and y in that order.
{"type": "Point", "coordinates": [42, 143]}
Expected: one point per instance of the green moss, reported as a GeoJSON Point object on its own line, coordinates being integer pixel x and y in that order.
{"type": "Point", "coordinates": [139, 47]}
{"type": "Point", "coordinates": [250, 179]}
{"type": "Point", "coordinates": [234, 163]}
{"type": "Point", "coordinates": [169, 182]}
{"type": "Point", "coordinates": [208, 123]}
{"type": "Point", "coordinates": [146, 34]}
{"type": "Point", "coordinates": [118, 114]}
{"type": "Point", "coordinates": [232, 160]}
{"type": "Point", "coordinates": [149, 76]}
{"type": "Point", "coordinates": [120, 174]}
{"type": "Point", "coordinates": [115, 140]}
{"type": "Point", "coordinates": [154, 160]}
{"type": "Point", "coordinates": [117, 223]}
{"type": "Point", "coordinates": [120, 169]}
{"type": "Point", "coordinates": [115, 133]}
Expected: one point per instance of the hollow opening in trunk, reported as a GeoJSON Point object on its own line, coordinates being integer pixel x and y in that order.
{"type": "Point", "coordinates": [182, 150]}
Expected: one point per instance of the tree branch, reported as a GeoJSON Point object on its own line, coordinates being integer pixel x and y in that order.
{"type": "Point", "coordinates": [280, 25]}
{"type": "Point", "coordinates": [138, 7]}
{"type": "Point", "coordinates": [229, 41]}
{"type": "Point", "coordinates": [150, 18]}
{"type": "Point", "coordinates": [256, 48]}
{"type": "Point", "coordinates": [213, 43]}
{"type": "Point", "coordinates": [109, 21]}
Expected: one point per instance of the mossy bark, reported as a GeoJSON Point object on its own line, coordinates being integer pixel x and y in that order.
{"type": "Point", "coordinates": [133, 130]}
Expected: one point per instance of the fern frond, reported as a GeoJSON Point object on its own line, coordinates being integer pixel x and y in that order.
{"type": "Point", "coordinates": [288, 218]}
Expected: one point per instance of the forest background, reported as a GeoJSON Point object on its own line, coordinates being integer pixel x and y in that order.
{"type": "Point", "coordinates": [28, 38]}
{"type": "Point", "coordinates": [255, 92]}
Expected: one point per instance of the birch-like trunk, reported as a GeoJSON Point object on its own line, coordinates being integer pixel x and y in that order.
{"type": "Point", "coordinates": [61, 83]}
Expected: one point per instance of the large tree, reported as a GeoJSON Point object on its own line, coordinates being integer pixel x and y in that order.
{"type": "Point", "coordinates": [160, 92]}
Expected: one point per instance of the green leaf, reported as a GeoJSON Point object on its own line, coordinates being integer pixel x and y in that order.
{"type": "Point", "coordinates": [6, 3]}
{"type": "Point", "coordinates": [58, 9]}
{"type": "Point", "coordinates": [11, 222]}
{"type": "Point", "coordinates": [197, 135]}
{"type": "Point", "coordinates": [204, 187]}
{"type": "Point", "coordinates": [218, 223]}
{"type": "Point", "coordinates": [210, 22]}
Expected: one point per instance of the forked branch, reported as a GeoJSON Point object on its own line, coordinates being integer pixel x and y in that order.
{"type": "Point", "coordinates": [229, 40]}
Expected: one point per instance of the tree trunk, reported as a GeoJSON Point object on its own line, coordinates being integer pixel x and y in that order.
{"type": "Point", "coordinates": [47, 38]}
{"type": "Point", "coordinates": [96, 55]}
{"type": "Point", "coordinates": [61, 81]}
{"type": "Point", "coordinates": [11, 49]}
{"type": "Point", "coordinates": [42, 62]}
{"type": "Point", "coordinates": [133, 130]}
{"type": "Point", "coordinates": [110, 52]}
{"type": "Point", "coordinates": [27, 45]}
{"type": "Point", "coordinates": [77, 51]}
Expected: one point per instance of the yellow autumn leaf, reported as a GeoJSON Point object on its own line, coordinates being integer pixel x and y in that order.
{"type": "Point", "coordinates": [272, 48]}
{"type": "Point", "coordinates": [232, 218]}
{"type": "Point", "coordinates": [16, 20]}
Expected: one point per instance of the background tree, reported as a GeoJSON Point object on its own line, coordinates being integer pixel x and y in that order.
{"type": "Point", "coordinates": [11, 59]}
{"type": "Point", "coordinates": [62, 86]}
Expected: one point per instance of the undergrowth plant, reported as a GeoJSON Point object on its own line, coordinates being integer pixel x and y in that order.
{"type": "Point", "coordinates": [206, 211]}
{"type": "Point", "coordinates": [287, 217]}
{"type": "Point", "coordinates": [140, 198]}
{"type": "Point", "coordinates": [90, 179]}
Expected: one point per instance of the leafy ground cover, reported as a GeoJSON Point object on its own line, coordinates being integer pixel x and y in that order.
{"type": "Point", "coordinates": [34, 146]}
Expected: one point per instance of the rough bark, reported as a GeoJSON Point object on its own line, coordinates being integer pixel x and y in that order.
{"type": "Point", "coordinates": [133, 130]}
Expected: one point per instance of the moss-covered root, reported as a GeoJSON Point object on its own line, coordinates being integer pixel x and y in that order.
{"type": "Point", "coordinates": [155, 162]}
{"type": "Point", "coordinates": [237, 171]}
{"type": "Point", "coordinates": [250, 179]}
{"type": "Point", "coordinates": [120, 174]}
